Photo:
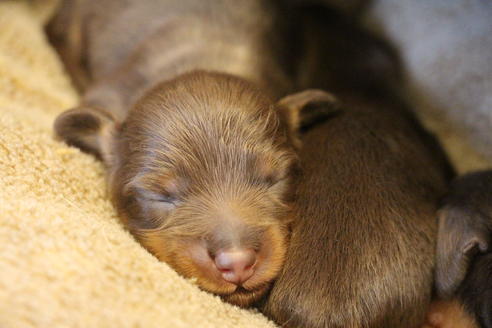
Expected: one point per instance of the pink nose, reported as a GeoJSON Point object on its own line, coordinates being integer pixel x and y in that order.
{"type": "Point", "coordinates": [236, 265]}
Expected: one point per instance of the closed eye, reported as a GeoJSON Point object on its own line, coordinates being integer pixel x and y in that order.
{"type": "Point", "coordinates": [160, 203]}
{"type": "Point", "coordinates": [161, 198]}
{"type": "Point", "coordinates": [156, 197]}
{"type": "Point", "coordinates": [274, 180]}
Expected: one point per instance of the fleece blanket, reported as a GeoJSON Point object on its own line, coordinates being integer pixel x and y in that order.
{"type": "Point", "coordinates": [65, 260]}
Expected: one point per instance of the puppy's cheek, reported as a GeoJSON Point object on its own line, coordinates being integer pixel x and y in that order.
{"type": "Point", "coordinates": [271, 257]}
{"type": "Point", "coordinates": [246, 298]}
{"type": "Point", "coordinates": [151, 240]}
{"type": "Point", "coordinates": [191, 259]}
{"type": "Point", "coordinates": [188, 258]}
{"type": "Point", "coordinates": [449, 314]}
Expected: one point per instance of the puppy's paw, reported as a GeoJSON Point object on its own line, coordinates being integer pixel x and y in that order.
{"type": "Point", "coordinates": [448, 314]}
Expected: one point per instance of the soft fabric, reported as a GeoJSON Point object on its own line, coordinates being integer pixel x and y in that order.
{"type": "Point", "coordinates": [446, 48]}
{"type": "Point", "coordinates": [65, 260]}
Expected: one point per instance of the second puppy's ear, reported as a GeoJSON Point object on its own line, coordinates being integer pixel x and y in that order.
{"type": "Point", "coordinates": [306, 108]}
{"type": "Point", "coordinates": [462, 234]}
{"type": "Point", "coordinates": [90, 129]}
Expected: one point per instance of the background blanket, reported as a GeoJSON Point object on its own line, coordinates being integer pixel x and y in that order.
{"type": "Point", "coordinates": [65, 261]}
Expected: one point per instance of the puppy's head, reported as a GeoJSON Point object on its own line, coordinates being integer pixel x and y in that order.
{"type": "Point", "coordinates": [201, 173]}
{"type": "Point", "coordinates": [465, 229]}
{"type": "Point", "coordinates": [464, 258]}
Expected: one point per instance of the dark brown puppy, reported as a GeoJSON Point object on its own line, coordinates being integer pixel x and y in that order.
{"type": "Point", "coordinates": [464, 258]}
{"type": "Point", "coordinates": [363, 244]}
{"type": "Point", "coordinates": [179, 104]}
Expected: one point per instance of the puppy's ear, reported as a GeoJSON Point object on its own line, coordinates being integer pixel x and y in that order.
{"type": "Point", "coordinates": [463, 233]}
{"type": "Point", "coordinates": [304, 109]}
{"type": "Point", "coordinates": [89, 129]}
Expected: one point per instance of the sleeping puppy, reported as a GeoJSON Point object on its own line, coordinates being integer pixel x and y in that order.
{"type": "Point", "coordinates": [363, 240]}
{"type": "Point", "coordinates": [179, 103]}
{"type": "Point", "coordinates": [464, 258]}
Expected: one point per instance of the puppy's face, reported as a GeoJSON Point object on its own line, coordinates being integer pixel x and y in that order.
{"type": "Point", "coordinates": [201, 173]}
{"type": "Point", "coordinates": [204, 184]}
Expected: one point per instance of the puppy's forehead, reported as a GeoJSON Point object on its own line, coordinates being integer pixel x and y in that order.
{"type": "Point", "coordinates": [201, 105]}
{"type": "Point", "coordinates": [214, 165]}
{"type": "Point", "coordinates": [206, 115]}
{"type": "Point", "coordinates": [206, 91]}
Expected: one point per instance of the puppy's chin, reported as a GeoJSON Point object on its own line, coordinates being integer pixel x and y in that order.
{"type": "Point", "coordinates": [243, 297]}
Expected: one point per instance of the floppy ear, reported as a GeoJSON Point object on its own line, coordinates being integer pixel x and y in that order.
{"type": "Point", "coordinates": [462, 234]}
{"type": "Point", "coordinates": [306, 108]}
{"type": "Point", "coordinates": [89, 129]}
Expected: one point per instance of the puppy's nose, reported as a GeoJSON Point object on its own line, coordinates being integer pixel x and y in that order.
{"type": "Point", "coordinates": [236, 265]}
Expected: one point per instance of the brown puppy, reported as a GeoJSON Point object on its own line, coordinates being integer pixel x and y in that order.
{"type": "Point", "coordinates": [179, 106]}
{"type": "Point", "coordinates": [362, 247]}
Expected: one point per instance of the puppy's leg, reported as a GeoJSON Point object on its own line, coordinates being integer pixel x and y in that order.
{"type": "Point", "coordinates": [449, 314]}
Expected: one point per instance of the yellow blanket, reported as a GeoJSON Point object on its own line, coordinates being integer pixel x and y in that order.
{"type": "Point", "coordinates": [65, 261]}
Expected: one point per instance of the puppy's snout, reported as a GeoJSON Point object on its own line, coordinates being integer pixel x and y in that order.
{"type": "Point", "coordinates": [236, 265]}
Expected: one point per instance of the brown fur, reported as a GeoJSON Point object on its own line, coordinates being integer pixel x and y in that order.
{"type": "Point", "coordinates": [362, 246]}
{"type": "Point", "coordinates": [179, 106]}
